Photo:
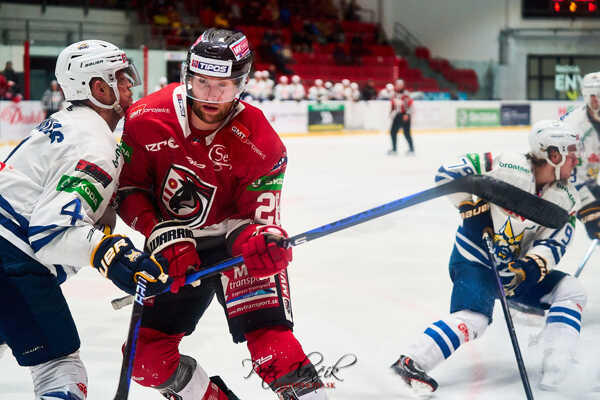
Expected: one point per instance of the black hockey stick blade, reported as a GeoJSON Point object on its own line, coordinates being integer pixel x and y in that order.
{"type": "Point", "coordinates": [512, 198]}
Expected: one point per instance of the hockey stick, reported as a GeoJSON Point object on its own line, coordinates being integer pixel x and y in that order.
{"type": "Point", "coordinates": [587, 256]}
{"type": "Point", "coordinates": [495, 191]}
{"type": "Point", "coordinates": [507, 317]}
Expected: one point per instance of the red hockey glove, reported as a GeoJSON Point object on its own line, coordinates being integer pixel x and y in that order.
{"type": "Point", "coordinates": [263, 252]}
{"type": "Point", "coordinates": [176, 243]}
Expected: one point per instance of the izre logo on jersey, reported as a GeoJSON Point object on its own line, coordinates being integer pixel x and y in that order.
{"type": "Point", "coordinates": [186, 197]}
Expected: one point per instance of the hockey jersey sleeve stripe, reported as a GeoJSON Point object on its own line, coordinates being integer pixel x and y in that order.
{"type": "Point", "coordinates": [18, 217]}
{"type": "Point", "coordinates": [38, 244]}
{"type": "Point", "coordinates": [14, 228]}
{"type": "Point", "coordinates": [555, 247]}
{"type": "Point", "coordinates": [471, 247]}
{"type": "Point", "coordinates": [16, 148]}
{"type": "Point", "coordinates": [61, 275]}
{"type": "Point", "coordinates": [34, 230]}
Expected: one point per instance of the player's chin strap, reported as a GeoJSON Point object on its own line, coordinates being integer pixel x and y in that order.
{"type": "Point", "coordinates": [557, 166]}
{"type": "Point", "coordinates": [116, 106]}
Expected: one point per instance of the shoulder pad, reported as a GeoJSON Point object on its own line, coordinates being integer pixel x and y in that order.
{"type": "Point", "coordinates": [562, 194]}
{"type": "Point", "coordinates": [514, 168]}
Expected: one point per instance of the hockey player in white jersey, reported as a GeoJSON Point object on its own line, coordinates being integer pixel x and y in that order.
{"type": "Point", "coordinates": [586, 119]}
{"type": "Point", "coordinates": [528, 255]}
{"type": "Point", "coordinates": [55, 190]}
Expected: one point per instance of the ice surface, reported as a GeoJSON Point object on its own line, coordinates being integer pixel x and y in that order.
{"type": "Point", "coordinates": [368, 290]}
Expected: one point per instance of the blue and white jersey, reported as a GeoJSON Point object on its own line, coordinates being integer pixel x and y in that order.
{"type": "Point", "coordinates": [586, 172]}
{"type": "Point", "coordinates": [55, 185]}
{"type": "Point", "coordinates": [514, 236]}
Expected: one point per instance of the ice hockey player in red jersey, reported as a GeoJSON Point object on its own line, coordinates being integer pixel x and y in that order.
{"type": "Point", "coordinates": [203, 183]}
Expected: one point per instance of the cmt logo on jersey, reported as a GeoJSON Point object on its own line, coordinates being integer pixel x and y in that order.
{"type": "Point", "coordinates": [94, 171]}
{"type": "Point", "coordinates": [240, 48]}
{"type": "Point", "coordinates": [266, 183]}
{"type": "Point", "coordinates": [143, 108]}
{"type": "Point", "coordinates": [238, 132]}
{"type": "Point", "coordinates": [186, 197]}
{"type": "Point", "coordinates": [83, 187]}
{"type": "Point", "coordinates": [50, 128]}
{"type": "Point", "coordinates": [210, 66]}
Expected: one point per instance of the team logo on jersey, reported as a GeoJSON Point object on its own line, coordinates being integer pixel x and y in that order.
{"type": "Point", "coordinates": [94, 171]}
{"type": "Point", "coordinates": [186, 197]}
{"type": "Point", "coordinates": [50, 127]}
{"type": "Point", "coordinates": [508, 245]}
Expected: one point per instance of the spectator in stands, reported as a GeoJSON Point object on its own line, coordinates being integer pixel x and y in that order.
{"type": "Point", "coordinates": [354, 92]}
{"type": "Point", "coordinates": [328, 9]}
{"type": "Point", "coordinates": [9, 73]}
{"type": "Point", "coordinates": [386, 93]}
{"type": "Point", "coordinates": [339, 55]}
{"type": "Point", "coordinates": [402, 107]}
{"type": "Point", "coordinates": [235, 12]}
{"type": "Point", "coordinates": [298, 91]}
{"type": "Point", "coordinates": [52, 99]}
{"type": "Point", "coordinates": [368, 91]}
{"type": "Point", "coordinates": [318, 91]}
{"type": "Point", "coordinates": [283, 90]}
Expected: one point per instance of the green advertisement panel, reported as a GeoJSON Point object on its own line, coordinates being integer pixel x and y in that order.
{"type": "Point", "coordinates": [325, 117]}
{"type": "Point", "coordinates": [477, 117]}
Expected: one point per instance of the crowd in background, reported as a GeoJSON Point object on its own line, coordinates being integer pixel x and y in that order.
{"type": "Point", "coordinates": [262, 87]}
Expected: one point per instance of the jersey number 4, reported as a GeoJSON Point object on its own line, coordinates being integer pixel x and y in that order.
{"type": "Point", "coordinates": [75, 212]}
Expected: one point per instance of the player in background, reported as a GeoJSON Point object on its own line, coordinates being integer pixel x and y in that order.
{"type": "Point", "coordinates": [297, 88]}
{"type": "Point", "coordinates": [283, 90]}
{"type": "Point", "coordinates": [402, 108]}
{"type": "Point", "coordinates": [586, 119]}
{"type": "Point", "coordinates": [527, 254]}
{"type": "Point", "coordinates": [203, 184]}
{"type": "Point", "coordinates": [55, 192]}
{"type": "Point", "coordinates": [386, 93]}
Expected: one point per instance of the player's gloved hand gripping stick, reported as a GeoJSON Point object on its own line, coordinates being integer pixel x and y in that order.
{"type": "Point", "coordinates": [498, 192]}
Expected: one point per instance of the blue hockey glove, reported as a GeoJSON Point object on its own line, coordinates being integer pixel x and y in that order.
{"type": "Point", "coordinates": [520, 275]}
{"type": "Point", "coordinates": [117, 259]}
{"type": "Point", "coordinates": [476, 219]}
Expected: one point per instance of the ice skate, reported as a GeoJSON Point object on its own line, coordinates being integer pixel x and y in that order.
{"type": "Point", "coordinates": [414, 376]}
{"type": "Point", "coordinates": [554, 370]}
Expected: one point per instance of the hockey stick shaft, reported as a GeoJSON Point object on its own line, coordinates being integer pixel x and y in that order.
{"type": "Point", "coordinates": [493, 190]}
{"type": "Point", "coordinates": [587, 256]}
{"type": "Point", "coordinates": [130, 346]}
{"type": "Point", "coordinates": [507, 317]}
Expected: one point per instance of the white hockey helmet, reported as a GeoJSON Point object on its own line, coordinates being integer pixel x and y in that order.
{"type": "Point", "coordinates": [346, 82]}
{"type": "Point", "coordinates": [389, 86]}
{"type": "Point", "coordinates": [546, 135]}
{"type": "Point", "coordinates": [590, 86]}
{"type": "Point", "coordinates": [295, 79]}
{"type": "Point", "coordinates": [81, 62]}
{"type": "Point", "coordinates": [328, 85]}
{"type": "Point", "coordinates": [318, 82]}
{"type": "Point", "coordinates": [354, 85]}
{"type": "Point", "coordinates": [283, 79]}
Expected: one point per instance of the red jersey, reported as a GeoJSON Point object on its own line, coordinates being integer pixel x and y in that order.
{"type": "Point", "coordinates": [213, 183]}
{"type": "Point", "coordinates": [402, 102]}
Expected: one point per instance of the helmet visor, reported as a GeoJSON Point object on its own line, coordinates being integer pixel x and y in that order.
{"type": "Point", "coordinates": [210, 89]}
{"type": "Point", "coordinates": [129, 75]}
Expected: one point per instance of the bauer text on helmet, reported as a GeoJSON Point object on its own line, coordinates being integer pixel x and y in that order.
{"type": "Point", "coordinates": [78, 64]}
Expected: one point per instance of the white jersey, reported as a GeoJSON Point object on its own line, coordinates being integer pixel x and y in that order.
{"type": "Point", "coordinates": [298, 91]}
{"type": "Point", "coordinates": [283, 91]}
{"type": "Point", "coordinates": [514, 235]}
{"type": "Point", "coordinates": [586, 172]}
{"type": "Point", "coordinates": [55, 185]}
